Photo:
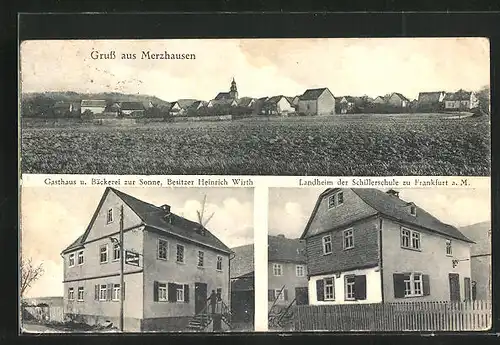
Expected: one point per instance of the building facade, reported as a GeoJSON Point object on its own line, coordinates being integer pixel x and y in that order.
{"type": "Point", "coordinates": [287, 271]}
{"type": "Point", "coordinates": [461, 100]}
{"type": "Point", "coordinates": [317, 102]}
{"type": "Point", "coordinates": [94, 106]}
{"type": "Point", "coordinates": [368, 246]}
{"type": "Point", "coordinates": [398, 100]}
{"type": "Point", "coordinates": [179, 264]}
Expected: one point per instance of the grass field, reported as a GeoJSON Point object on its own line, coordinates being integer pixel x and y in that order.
{"type": "Point", "coordinates": [348, 145]}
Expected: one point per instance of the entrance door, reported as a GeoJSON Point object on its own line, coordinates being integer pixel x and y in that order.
{"type": "Point", "coordinates": [467, 289]}
{"type": "Point", "coordinates": [301, 296]}
{"type": "Point", "coordinates": [200, 297]}
{"type": "Point", "coordinates": [454, 286]}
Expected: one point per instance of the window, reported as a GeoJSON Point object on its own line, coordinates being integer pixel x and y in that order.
{"type": "Point", "coordinates": [109, 218]}
{"type": "Point", "coordinates": [277, 269]}
{"type": "Point", "coordinates": [280, 296]}
{"type": "Point", "coordinates": [219, 263]}
{"type": "Point", "coordinates": [80, 257]}
{"type": "Point", "coordinates": [103, 251]}
{"type": "Point", "coordinates": [162, 292]}
{"type": "Point", "coordinates": [180, 253]}
{"type": "Point", "coordinates": [80, 293]}
{"type": "Point", "coordinates": [71, 259]}
{"type": "Point", "coordinates": [348, 239]}
{"type": "Point", "coordinates": [410, 239]}
{"type": "Point", "coordinates": [162, 249]}
{"type": "Point", "coordinates": [413, 210]}
{"type": "Point", "coordinates": [71, 294]}
{"type": "Point", "coordinates": [103, 292]}
{"type": "Point", "coordinates": [180, 293]}
{"type": "Point", "coordinates": [116, 252]}
{"type": "Point", "coordinates": [335, 200]}
{"type": "Point", "coordinates": [116, 292]}
{"type": "Point", "coordinates": [300, 270]}
{"type": "Point", "coordinates": [329, 289]}
{"type": "Point", "coordinates": [413, 285]}
{"type": "Point", "coordinates": [327, 244]}
{"type": "Point", "coordinates": [201, 258]}
{"type": "Point", "coordinates": [449, 250]}
{"type": "Point", "coordinates": [350, 282]}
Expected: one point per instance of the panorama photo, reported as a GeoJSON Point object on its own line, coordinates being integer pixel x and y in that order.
{"type": "Point", "coordinates": [298, 107]}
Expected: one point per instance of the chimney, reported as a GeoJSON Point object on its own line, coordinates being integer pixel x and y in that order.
{"type": "Point", "coordinates": [281, 235]}
{"type": "Point", "coordinates": [393, 193]}
{"type": "Point", "coordinates": [165, 208]}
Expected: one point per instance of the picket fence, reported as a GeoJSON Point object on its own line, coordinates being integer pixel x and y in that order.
{"type": "Point", "coordinates": [393, 317]}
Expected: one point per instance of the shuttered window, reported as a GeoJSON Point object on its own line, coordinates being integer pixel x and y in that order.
{"type": "Point", "coordinates": [270, 295]}
{"type": "Point", "coordinates": [411, 285]}
{"type": "Point", "coordinates": [329, 289]}
{"type": "Point", "coordinates": [349, 287]}
{"type": "Point", "coordinates": [103, 291]}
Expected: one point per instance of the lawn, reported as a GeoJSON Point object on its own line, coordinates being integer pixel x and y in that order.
{"type": "Point", "coordinates": [347, 145]}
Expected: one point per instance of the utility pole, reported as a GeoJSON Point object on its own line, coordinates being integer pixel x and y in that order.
{"type": "Point", "coordinates": [122, 254]}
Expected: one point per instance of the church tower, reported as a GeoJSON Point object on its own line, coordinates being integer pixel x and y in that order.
{"type": "Point", "coordinates": [233, 91]}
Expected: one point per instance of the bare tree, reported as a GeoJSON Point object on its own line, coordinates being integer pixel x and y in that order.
{"type": "Point", "coordinates": [201, 213]}
{"type": "Point", "coordinates": [30, 273]}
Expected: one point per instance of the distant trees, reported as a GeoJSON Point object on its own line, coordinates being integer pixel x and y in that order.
{"type": "Point", "coordinates": [483, 96]}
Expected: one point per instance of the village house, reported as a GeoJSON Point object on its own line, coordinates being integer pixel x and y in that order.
{"type": "Point", "coordinates": [132, 108]}
{"type": "Point", "coordinates": [295, 102]}
{"type": "Point", "coordinates": [277, 105]}
{"type": "Point", "coordinates": [379, 100]}
{"type": "Point", "coordinates": [370, 246]}
{"type": "Point", "coordinates": [246, 102]}
{"type": "Point", "coordinates": [345, 104]}
{"type": "Point", "coordinates": [287, 271]}
{"type": "Point", "coordinates": [223, 103]}
{"type": "Point", "coordinates": [317, 102]}
{"type": "Point", "coordinates": [181, 106]}
{"type": "Point", "coordinates": [95, 106]}
{"type": "Point", "coordinates": [480, 259]}
{"type": "Point", "coordinates": [63, 109]}
{"type": "Point", "coordinates": [431, 100]}
{"type": "Point", "coordinates": [176, 264]}
{"type": "Point", "coordinates": [460, 100]}
{"type": "Point", "coordinates": [398, 100]}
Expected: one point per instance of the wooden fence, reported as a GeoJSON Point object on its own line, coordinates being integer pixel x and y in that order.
{"type": "Point", "coordinates": [391, 317]}
{"type": "Point", "coordinates": [43, 314]}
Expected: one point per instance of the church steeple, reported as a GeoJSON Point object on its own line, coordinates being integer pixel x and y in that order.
{"type": "Point", "coordinates": [233, 91]}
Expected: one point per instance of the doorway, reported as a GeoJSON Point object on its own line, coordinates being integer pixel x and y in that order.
{"type": "Point", "coordinates": [454, 279]}
{"type": "Point", "coordinates": [301, 296]}
{"type": "Point", "coordinates": [200, 297]}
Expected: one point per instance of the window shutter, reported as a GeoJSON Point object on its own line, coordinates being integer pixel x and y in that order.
{"type": "Point", "coordinates": [320, 289]}
{"type": "Point", "coordinates": [399, 285]}
{"type": "Point", "coordinates": [360, 287]}
{"type": "Point", "coordinates": [270, 295]}
{"type": "Point", "coordinates": [286, 294]}
{"type": "Point", "coordinates": [186, 293]}
{"type": "Point", "coordinates": [96, 290]}
{"type": "Point", "coordinates": [109, 295]}
{"type": "Point", "coordinates": [155, 291]}
{"type": "Point", "coordinates": [172, 292]}
{"type": "Point", "coordinates": [426, 285]}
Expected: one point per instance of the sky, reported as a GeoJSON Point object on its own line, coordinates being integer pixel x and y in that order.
{"type": "Point", "coordinates": [44, 237]}
{"type": "Point", "coordinates": [261, 67]}
{"type": "Point", "coordinates": [291, 207]}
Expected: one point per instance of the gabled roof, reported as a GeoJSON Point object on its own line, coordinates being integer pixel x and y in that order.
{"type": "Point", "coordinates": [395, 208]}
{"type": "Point", "coordinates": [131, 106]}
{"type": "Point", "coordinates": [63, 105]}
{"type": "Point", "coordinates": [245, 101]}
{"type": "Point", "coordinates": [275, 99]}
{"type": "Point", "coordinates": [186, 103]}
{"type": "Point", "coordinates": [430, 97]}
{"type": "Point", "coordinates": [282, 249]}
{"type": "Point", "coordinates": [312, 94]}
{"type": "Point", "coordinates": [94, 103]}
{"type": "Point", "coordinates": [153, 218]}
{"type": "Point", "coordinates": [401, 96]}
{"type": "Point", "coordinates": [223, 95]}
{"type": "Point", "coordinates": [242, 262]}
{"type": "Point", "coordinates": [222, 102]}
{"type": "Point", "coordinates": [460, 95]}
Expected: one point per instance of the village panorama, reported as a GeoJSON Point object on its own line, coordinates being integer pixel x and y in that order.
{"type": "Point", "coordinates": [314, 133]}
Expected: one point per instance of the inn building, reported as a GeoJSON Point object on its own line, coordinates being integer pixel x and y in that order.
{"type": "Point", "coordinates": [177, 263]}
